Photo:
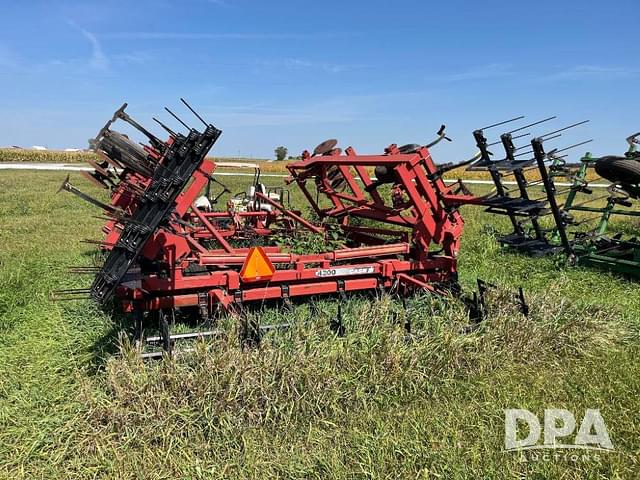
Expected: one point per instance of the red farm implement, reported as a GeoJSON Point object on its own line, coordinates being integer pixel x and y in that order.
{"type": "Point", "coordinates": [166, 251]}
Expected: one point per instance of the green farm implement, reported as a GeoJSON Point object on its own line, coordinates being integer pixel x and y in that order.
{"type": "Point", "coordinates": [584, 219]}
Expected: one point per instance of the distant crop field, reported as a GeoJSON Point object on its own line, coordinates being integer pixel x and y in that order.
{"type": "Point", "coordinates": [266, 166]}
{"type": "Point", "coordinates": [46, 156]}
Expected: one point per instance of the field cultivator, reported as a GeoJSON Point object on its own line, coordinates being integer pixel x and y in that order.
{"type": "Point", "coordinates": [548, 187]}
{"type": "Point", "coordinates": [167, 253]}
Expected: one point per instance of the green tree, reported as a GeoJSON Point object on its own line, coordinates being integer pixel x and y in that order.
{"type": "Point", "coordinates": [281, 153]}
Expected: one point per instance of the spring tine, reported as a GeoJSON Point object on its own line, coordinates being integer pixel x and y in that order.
{"type": "Point", "coordinates": [178, 119]}
{"type": "Point", "coordinates": [120, 219]}
{"type": "Point", "coordinates": [565, 128]}
{"type": "Point", "coordinates": [73, 291]}
{"type": "Point", "coordinates": [111, 219]}
{"type": "Point", "coordinates": [534, 183]}
{"type": "Point", "coordinates": [54, 298]}
{"type": "Point", "coordinates": [529, 169]}
{"type": "Point", "coordinates": [98, 242]}
{"type": "Point", "coordinates": [69, 187]}
{"type": "Point", "coordinates": [57, 298]}
{"type": "Point", "coordinates": [92, 177]}
{"type": "Point", "coordinates": [551, 138]}
{"type": "Point", "coordinates": [171, 132]}
{"type": "Point", "coordinates": [499, 142]}
{"type": "Point", "coordinates": [103, 218]}
{"type": "Point", "coordinates": [502, 123]}
{"type": "Point", "coordinates": [590, 200]}
{"type": "Point", "coordinates": [521, 135]}
{"type": "Point", "coordinates": [194, 112]}
{"type": "Point", "coordinates": [532, 124]}
{"type": "Point", "coordinates": [585, 221]}
{"type": "Point", "coordinates": [83, 271]}
{"type": "Point", "coordinates": [523, 153]}
{"type": "Point", "coordinates": [573, 146]}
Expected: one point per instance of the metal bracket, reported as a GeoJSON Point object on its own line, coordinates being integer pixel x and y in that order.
{"type": "Point", "coordinates": [237, 297]}
{"type": "Point", "coordinates": [203, 304]}
{"type": "Point", "coordinates": [522, 302]}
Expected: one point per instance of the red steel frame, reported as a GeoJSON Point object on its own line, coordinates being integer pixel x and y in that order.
{"type": "Point", "coordinates": [394, 249]}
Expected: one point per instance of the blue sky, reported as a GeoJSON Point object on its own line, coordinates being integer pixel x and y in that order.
{"type": "Point", "coordinates": [295, 73]}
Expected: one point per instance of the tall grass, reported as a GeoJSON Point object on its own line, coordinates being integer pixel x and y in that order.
{"type": "Point", "coordinates": [76, 403]}
{"type": "Point", "coordinates": [402, 406]}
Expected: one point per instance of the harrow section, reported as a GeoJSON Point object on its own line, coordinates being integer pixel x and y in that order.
{"type": "Point", "coordinates": [580, 217]}
{"type": "Point", "coordinates": [586, 216]}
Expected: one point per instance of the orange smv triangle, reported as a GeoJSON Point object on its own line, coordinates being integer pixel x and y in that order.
{"type": "Point", "coordinates": [257, 266]}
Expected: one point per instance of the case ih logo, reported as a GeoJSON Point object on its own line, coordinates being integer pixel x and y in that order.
{"type": "Point", "coordinates": [558, 431]}
{"type": "Point", "coordinates": [334, 272]}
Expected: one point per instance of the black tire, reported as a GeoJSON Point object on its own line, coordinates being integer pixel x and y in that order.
{"type": "Point", "coordinates": [619, 170]}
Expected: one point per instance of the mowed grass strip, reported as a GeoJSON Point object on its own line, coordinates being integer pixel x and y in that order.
{"type": "Point", "coordinates": [307, 404]}
{"type": "Point", "coordinates": [267, 166]}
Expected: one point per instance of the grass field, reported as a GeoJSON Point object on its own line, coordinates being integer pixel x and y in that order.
{"type": "Point", "coordinates": [306, 404]}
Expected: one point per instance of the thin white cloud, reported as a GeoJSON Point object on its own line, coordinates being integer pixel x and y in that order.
{"type": "Point", "coordinates": [491, 70]}
{"type": "Point", "coordinates": [327, 110]}
{"type": "Point", "coordinates": [96, 63]}
{"type": "Point", "coordinates": [320, 112]}
{"type": "Point", "coordinates": [593, 72]}
{"type": "Point", "coordinates": [219, 36]}
{"type": "Point", "coordinates": [98, 59]}
{"type": "Point", "coordinates": [131, 58]}
{"type": "Point", "coordinates": [300, 64]}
